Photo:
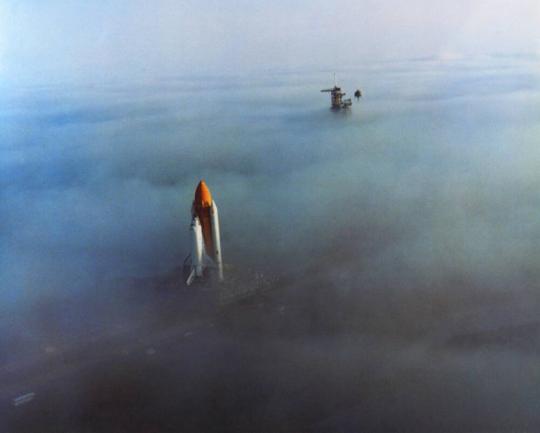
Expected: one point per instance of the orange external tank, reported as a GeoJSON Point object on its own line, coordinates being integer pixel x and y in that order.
{"type": "Point", "coordinates": [201, 208]}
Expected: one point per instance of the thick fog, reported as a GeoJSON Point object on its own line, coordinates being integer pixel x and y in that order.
{"type": "Point", "coordinates": [402, 237]}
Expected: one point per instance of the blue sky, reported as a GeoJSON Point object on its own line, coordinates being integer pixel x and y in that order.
{"type": "Point", "coordinates": [56, 40]}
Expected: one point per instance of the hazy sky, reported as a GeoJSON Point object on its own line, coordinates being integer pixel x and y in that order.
{"type": "Point", "coordinates": [56, 40]}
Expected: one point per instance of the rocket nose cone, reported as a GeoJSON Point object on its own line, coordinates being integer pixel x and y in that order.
{"type": "Point", "coordinates": [203, 198]}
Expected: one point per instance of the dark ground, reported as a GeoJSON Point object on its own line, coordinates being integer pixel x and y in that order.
{"type": "Point", "coordinates": [297, 358]}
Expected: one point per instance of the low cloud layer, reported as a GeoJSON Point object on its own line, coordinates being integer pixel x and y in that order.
{"type": "Point", "coordinates": [394, 228]}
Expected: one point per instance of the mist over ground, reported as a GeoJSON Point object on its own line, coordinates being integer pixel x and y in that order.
{"type": "Point", "coordinates": [403, 234]}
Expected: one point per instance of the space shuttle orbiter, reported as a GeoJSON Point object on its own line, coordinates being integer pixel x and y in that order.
{"type": "Point", "coordinates": [205, 257]}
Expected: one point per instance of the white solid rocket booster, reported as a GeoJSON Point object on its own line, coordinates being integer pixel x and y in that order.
{"type": "Point", "coordinates": [216, 236]}
{"type": "Point", "coordinates": [197, 250]}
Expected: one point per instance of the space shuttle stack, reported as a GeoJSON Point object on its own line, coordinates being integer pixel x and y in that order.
{"type": "Point", "coordinates": [205, 236]}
